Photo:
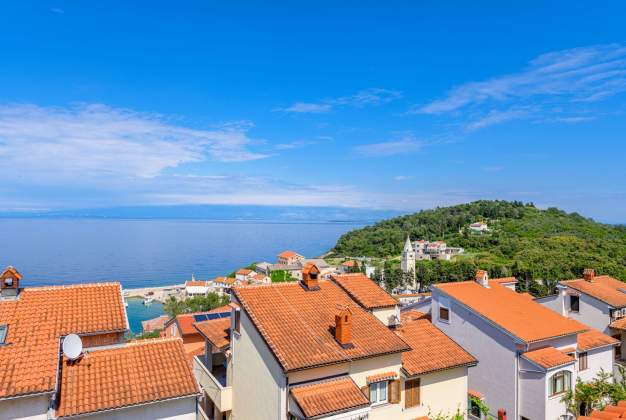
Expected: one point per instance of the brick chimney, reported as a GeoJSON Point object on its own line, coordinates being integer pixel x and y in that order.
{"type": "Point", "coordinates": [589, 274]}
{"type": "Point", "coordinates": [482, 278]}
{"type": "Point", "coordinates": [343, 327]}
{"type": "Point", "coordinates": [310, 276]}
{"type": "Point", "coordinates": [10, 282]}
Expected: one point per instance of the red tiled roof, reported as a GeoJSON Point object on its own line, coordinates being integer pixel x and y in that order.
{"type": "Point", "coordinates": [475, 394]}
{"type": "Point", "coordinates": [217, 331]}
{"type": "Point", "coordinates": [289, 254]}
{"type": "Point", "coordinates": [137, 373]}
{"type": "Point", "coordinates": [195, 283]}
{"type": "Point", "coordinates": [520, 316]}
{"type": "Point", "coordinates": [593, 339]}
{"type": "Point", "coordinates": [619, 324]}
{"type": "Point", "coordinates": [244, 271]}
{"type": "Point", "coordinates": [431, 349]}
{"type": "Point", "coordinates": [505, 280]}
{"type": "Point", "coordinates": [39, 317]}
{"type": "Point", "coordinates": [296, 324]}
{"type": "Point", "coordinates": [381, 377]}
{"type": "Point", "coordinates": [362, 289]}
{"type": "Point", "coordinates": [548, 357]}
{"type": "Point", "coordinates": [153, 324]}
{"type": "Point", "coordinates": [323, 398]}
{"type": "Point", "coordinates": [604, 288]}
{"type": "Point", "coordinates": [350, 263]}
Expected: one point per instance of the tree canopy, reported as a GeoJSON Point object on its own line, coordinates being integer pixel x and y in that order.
{"type": "Point", "coordinates": [522, 241]}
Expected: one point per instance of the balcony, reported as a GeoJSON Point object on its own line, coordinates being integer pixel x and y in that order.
{"type": "Point", "coordinates": [214, 384]}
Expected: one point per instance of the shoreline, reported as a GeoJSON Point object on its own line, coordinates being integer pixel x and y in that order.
{"type": "Point", "coordinates": [158, 293]}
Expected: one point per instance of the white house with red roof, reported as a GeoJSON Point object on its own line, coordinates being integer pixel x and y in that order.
{"type": "Point", "coordinates": [289, 258]}
{"type": "Point", "coordinates": [528, 355]}
{"type": "Point", "coordinates": [100, 375]}
{"type": "Point", "coordinates": [320, 349]}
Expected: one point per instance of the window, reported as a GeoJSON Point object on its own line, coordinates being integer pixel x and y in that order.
{"type": "Point", "coordinates": [378, 392]}
{"type": "Point", "coordinates": [444, 313]}
{"type": "Point", "coordinates": [560, 382]}
{"type": "Point", "coordinates": [3, 333]}
{"type": "Point", "coordinates": [411, 393]}
{"type": "Point", "coordinates": [174, 330]}
{"type": "Point", "coordinates": [574, 303]}
{"type": "Point", "coordinates": [474, 409]}
{"type": "Point", "coordinates": [237, 321]}
{"type": "Point", "coordinates": [582, 361]}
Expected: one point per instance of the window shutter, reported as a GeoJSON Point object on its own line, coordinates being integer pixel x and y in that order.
{"type": "Point", "coordinates": [416, 392]}
{"type": "Point", "coordinates": [366, 391]}
{"type": "Point", "coordinates": [393, 391]}
{"type": "Point", "coordinates": [411, 393]}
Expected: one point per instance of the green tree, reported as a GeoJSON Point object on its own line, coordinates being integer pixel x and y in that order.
{"type": "Point", "coordinates": [174, 306]}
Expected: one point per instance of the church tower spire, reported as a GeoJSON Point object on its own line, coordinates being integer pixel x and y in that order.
{"type": "Point", "coordinates": [407, 262]}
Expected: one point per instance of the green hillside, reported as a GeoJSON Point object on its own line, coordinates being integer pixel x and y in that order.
{"type": "Point", "coordinates": [523, 241]}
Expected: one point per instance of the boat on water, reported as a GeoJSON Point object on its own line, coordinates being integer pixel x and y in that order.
{"type": "Point", "coordinates": [148, 300]}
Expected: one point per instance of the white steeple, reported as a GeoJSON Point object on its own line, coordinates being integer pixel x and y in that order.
{"type": "Point", "coordinates": [407, 262]}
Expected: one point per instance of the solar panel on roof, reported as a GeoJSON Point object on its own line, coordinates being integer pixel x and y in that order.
{"type": "Point", "coordinates": [218, 315]}
{"type": "Point", "coordinates": [199, 318]}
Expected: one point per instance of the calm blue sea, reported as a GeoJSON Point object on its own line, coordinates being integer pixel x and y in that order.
{"type": "Point", "coordinates": [150, 252]}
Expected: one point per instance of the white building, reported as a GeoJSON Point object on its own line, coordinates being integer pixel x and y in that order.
{"type": "Point", "coordinates": [323, 349]}
{"type": "Point", "coordinates": [479, 227]}
{"type": "Point", "coordinates": [407, 260]}
{"type": "Point", "coordinates": [597, 301]}
{"type": "Point", "coordinates": [528, 355]}
{"type": "Point", "coordinates": [195, 287]}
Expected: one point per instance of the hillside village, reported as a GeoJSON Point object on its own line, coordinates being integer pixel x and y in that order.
{"type": "Point", "coordinates": [330, 343]}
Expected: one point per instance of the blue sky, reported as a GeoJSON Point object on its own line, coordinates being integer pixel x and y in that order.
{"type": "Point", "coordinates": [392, 105]}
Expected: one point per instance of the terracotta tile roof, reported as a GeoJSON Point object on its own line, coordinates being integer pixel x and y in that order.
{"type": "Point", "coordinates": [39, 317]}
{"type": "Point", "coordinates": [323, 398]}
{"type": "Point", "coordinates": [243, 271]}
{"type": "Point", "coordinates": [548, 357]}
{"type": "Point", "coordinates": [505, 280]}
{"type": "Point", "coordinates": [604, 288]}
{"type": "Point", "coordinates": [521, 317]}
{"type": "Point", "coordinates": [593, 339]}
{"type": "Point", "coordinates": [527, 295]}
{"type": "Point", "coordinates": [619, 324]}
{"type": "Point", "coordinates": [185, 321]}
{"type": "Point", "coordinates": [193, 349]}
{"type": "Point", "coordinates": [381, 377]}
{"type": "Point", "coordinates": [195, 283]}
{"type": "Point", "coordinates": [217, 331]}
{"type": "Point", "coordinates": [431, 349]}
{"type": "Point", "coordinates": [350, 263]}
{"type": "Point", "coordinates": [289, 254]}
{"type": "Point", "coordinates": [296, 324]}
{"type": "Point", "coordinates": [153, 324]}
{"type": "Point", "coordinates": [362, 289]}
{"type": "Point", "coordinates": [137, 373]}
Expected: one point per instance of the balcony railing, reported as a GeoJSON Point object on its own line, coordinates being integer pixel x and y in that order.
{"type": "Point", "coordinates": [222, 396]}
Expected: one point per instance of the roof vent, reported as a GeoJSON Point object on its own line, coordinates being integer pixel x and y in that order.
{"type": "Point", "coordinates": [310, 276]}
{"type": "Point", "coordinates": [482, 278]}
{"type": "Point", "coordinates": [343, 327]}
{"type": "Point", "coordinates": [72, 347]}
{"type": "Point", "coordinates": [589, 274]}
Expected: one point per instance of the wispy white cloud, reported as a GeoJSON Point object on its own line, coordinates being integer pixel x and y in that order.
{"type": "Point", "coordinates": [101, 141]}
{"type": "Point", "coordinates": [373, 96]}
{"type": "Point", "coordinates": [402, 177]}
{"type": "Point", "coordinates": [297, 144]}
{"type": "Point", "coordinates": [495, 117]}
{"type": "Point", "coordinates": [579, 74]}
{"type": "Point", "coordinates": [57, 10]}
{"type": "Point", "coordinates": [406, 144]}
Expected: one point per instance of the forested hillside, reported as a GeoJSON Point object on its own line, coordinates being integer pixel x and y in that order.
{"type": "Point", "coordinates": [523, 241]}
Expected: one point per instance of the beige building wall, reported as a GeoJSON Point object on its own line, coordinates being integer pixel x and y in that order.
{"type": "Point", "coordinates": [442, 392]}
{"type": "Point", "coordinates": [388, 316]}
{"type": "Point", "coordinates": [25, 408]}
{"type": "Point", "coordinates": [259, 386]}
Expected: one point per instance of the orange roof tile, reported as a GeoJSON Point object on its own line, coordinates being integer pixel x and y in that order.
{"type": "Point", "coordinates": [323, 398]}
{"type": "Point", "coordinates": [604, 288]}
{"type": "Point", "coordinates": [521, 317]}
{"type": "Point", "coordinates": [350, 263]}
{"type": "Point", "coordinates": [39, 317]}
{"type": "Point", "coordinates": [619, 324]}
{"type": "Point", "coordinates": [195, 283]}
{"type": "Point", "coordinates": [593, 339]}
{"type": "Point", "coordinates": [296, 324]}
{"type": "Point", "coordinates": [381, 377]}
{"type": "Point", "coordinates": [505, 280]}
{"type": "Point", "coordinates": [153, 324]}
{"type": "Point", "coordinates": [475, 394]}
{"type": "Point", "coordinates": [217, 331]}
{"type": "Point", "coordinates": [244, 271]}
{"type": "Point", "coordinates": [362, 289]}
{"type": "Point", "coordinates": [137, 373]}
{"type": "Point", "coordinates": [548, 357]}
{"type": "Point", "coordinates": [431, 349]}
{"type": "Point", "coordinates": [289, 254]}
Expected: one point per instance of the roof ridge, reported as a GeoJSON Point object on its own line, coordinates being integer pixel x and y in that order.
{"type": "Point", "coordinates": [146, 341]}
{"type": "Point", "coordinates": [71, 286]}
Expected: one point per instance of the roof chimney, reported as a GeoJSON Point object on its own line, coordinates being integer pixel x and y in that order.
{"type": "Point", "coordinates": [310, 276]}
{"type": "Point", "coordinates": [343, 327]}
{"type": "Point", "coordinates": [482, 278]}
{"type": "Point", "coordinates": [10, 282]}
{"type": "Point", "coordinates": [589, 274]}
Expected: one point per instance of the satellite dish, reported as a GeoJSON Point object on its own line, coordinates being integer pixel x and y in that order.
{"type": "Point", "coordinates": [72, 346]}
